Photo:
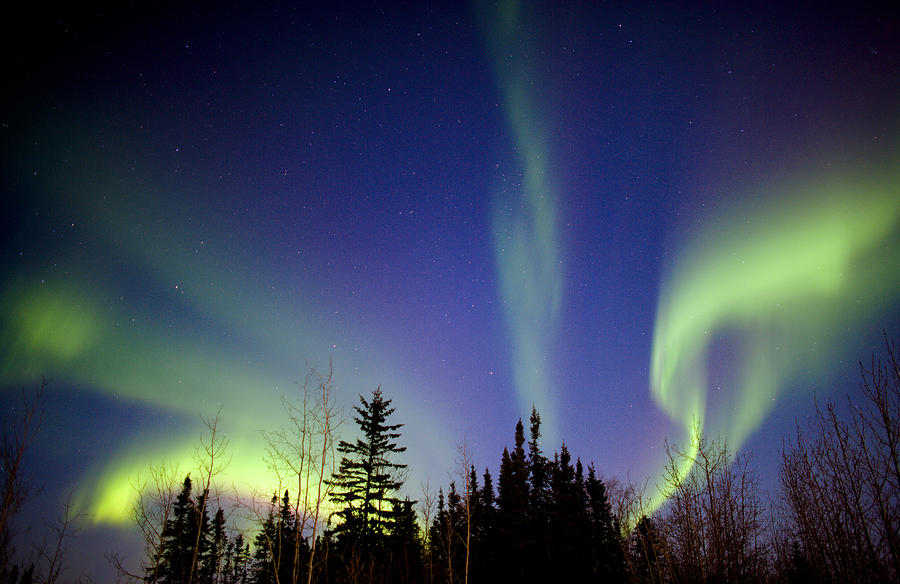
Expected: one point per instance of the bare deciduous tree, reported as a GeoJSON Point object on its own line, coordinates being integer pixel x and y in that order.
{"type": "Point", "coordinates": [712, 521]}
{"type": "Point", "coordinates": [152, 510]}
{"type": "Point", "coordinates": [426, 512]}
{"type": "Point", "coordinates": [466, 472]}
{"type": "Point", "coordinates": [52, 555]}
{"type": "Point", "coordinates": [153, 507]}
{"type": "Point", "coordinates": [841, 482]}
{"type": "Point", "coordinates": [19, 431]}
{"type": "Point", "coordinates": [305, 452]}
{"type": "Point", "coordinates": [208, 459]}
{"type": "Point", "coordinates": [18, 434]}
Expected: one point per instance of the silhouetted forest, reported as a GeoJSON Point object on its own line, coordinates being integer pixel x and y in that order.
{"type": "Point", "coordinates": [542, 517]}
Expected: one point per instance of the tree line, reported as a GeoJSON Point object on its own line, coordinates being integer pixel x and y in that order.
{"type": "Point", "coordinates": [340, 514]}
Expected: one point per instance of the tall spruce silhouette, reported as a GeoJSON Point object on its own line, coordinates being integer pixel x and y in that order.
{"type": "Point", "coordinates": [365, 487]}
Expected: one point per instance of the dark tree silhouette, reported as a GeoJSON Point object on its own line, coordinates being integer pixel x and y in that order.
{"type": "Point", "coordinates": [539, 503]}
{"type": "Point", "coordinates": [841, 482]}
{"type": "Point", "coordinates": [646, 550]}
{"type": "Point", "coordinates": [364, 489]}
{"type": "Point", "coordinates": [485, 563]}
{"type": "Point", "coordinates": [266, 552]}
{"type": "Point", "coordinates": [15, 440]}
{"type": "Point", "coordinates": [236, 568]}
{"type": "Point", "coordinates": [186, 531]}
{"type": "Point", "coordinates": [567, 508]}
{"type": "Point", "coordinates": [607, 561]}
{"type": "Point", "coordinates": [512, 502]}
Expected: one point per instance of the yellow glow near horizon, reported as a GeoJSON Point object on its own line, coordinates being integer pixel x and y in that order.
{"type": "Point", "coordinates": [241, 472]}
{"type": "Point", "coordinates": [144, 308]}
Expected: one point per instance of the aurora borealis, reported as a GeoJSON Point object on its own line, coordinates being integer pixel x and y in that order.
{"type": "Point", "coordinates": [735, 280]}
{"type": "Point", "coordinates": [526, 242]}
{"type": "Point", "coordinates": [635, 219]}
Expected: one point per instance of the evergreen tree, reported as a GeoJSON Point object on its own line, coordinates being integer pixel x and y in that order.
{"type": "Point", "coordinates": [537, 468]}
{"type": "Point", "coordinates": [180, 537]}
{"type": "Point", "coordinates": [367, 480]}
{"type": "Point", "coordinates": [265, 548]}
{"type": "Point", "coordinates": [291, 550]}
{"type": "Point", "coordinates": [645, 549]}
{"type": "Point", "coordinates": [440, 538]}
{"type": "Point", "coordinates": [564, 513]}
{"type": "Point", "coordinates": [472, 533]}
{"type": "Point", "coordinates": [286, 541]}
{"type": "Point", "coordinates": [202, 541]}
{"type": "Point", "coordinates": [486, 560]}
{"type": "Point", "coordinates": [11, 572]}
{"type": "Point", "coordinates": [512, 501]}
{"type": "Point", "coordinates": [486, 504]}
{"type": "Point", "coordinates": [607, 560]}
{"type": "Point", "coordinates": [173, 544]}
{"type": "Point", "coordinates": [405, 546]}
{"type": "Point", "coordinates": [580, 553]}
{"type": "Point", "coordinates": [236, 569]}
{"type": "Point", "coordinates": [211, 562]}
{"type": "Point", "coordinates": [538, 503]}
{"type": "Point", "coordinates": [456, 534]}
{"type": "Point", "coordinates": [329, 564]}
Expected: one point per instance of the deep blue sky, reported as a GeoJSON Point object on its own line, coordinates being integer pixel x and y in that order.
{"type": "Point", "coordinates": [200, 202]}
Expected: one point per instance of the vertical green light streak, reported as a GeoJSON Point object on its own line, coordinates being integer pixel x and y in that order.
{"type": "Point", "coordinates": [526, 242]}
{"type": "Point", "coordinates": [785, 278]}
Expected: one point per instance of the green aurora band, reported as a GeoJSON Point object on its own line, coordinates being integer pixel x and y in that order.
{"type": "Point", "coordinates": [525, 226]}
{"type": "Point", "coordinates": [229, 336]}
{"type": "Point", "coordinates": [66, 332]}
{"type": "Point", "coordinates": [786, 278]}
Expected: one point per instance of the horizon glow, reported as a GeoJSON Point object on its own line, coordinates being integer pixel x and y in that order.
{"type": "Point", "coordinates": [201, 332]}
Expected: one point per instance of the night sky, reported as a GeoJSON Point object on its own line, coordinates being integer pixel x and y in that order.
{"type": "Point", "coordinates": [634, 219]}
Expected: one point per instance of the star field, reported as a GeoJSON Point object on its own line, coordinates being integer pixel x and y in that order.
{"type": "Point", "coordinates": [630, 217]}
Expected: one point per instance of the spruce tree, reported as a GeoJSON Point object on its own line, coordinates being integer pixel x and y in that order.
{"type": "Point", "coordinates": [286, 541]}
{"type": "Point", "coordinates": [645, 550]}
{"type": "Point", "coordinates": [564, 512]}
{"type": "Point", "coordinates": [265, 547]}
{"type": "Point", "coordinates": [473, 531]}
{"type": "Point", "coordinates": [237, 561]}
{"type": "Point", "coordinates": [538, 502]}
{"type": "Point", "coordinates": [364, 489]}
{"type": "Point", "coordinates": [608, 562]}
{"type": "Point", "coordinates": [173, 544]}
{"type": "Point", "coordinates": [456, 535]}
{"type": "Point", "coordinates": [202, 541]}
{"type": "Point", "coordinates": [405, 546]}
{"type": "Point", "coordinates": [180, 537]}
{"type": "Point", "coordinates": [512, 501]}
{"type": "Point", "coordinates": [537, 469]}
{"type": "Point", "coordinates": [440, 538]}
{"type": "Point", "coordinates": [211, 562]}
{"type": "Point", "coordinates": [486, 560]}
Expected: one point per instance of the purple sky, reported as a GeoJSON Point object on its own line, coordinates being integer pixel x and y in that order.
{"type": "Point", "coordinates": [198, 197]}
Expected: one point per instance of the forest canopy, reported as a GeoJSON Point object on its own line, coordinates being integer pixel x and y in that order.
{"type": "Point", "coordinates": [343, 512]}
